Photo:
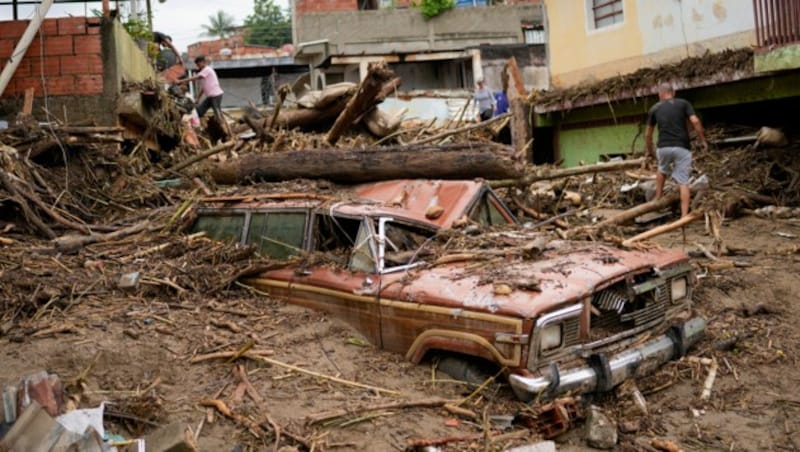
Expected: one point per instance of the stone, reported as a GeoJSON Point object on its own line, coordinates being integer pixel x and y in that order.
{"type": "Point", "coordinates": [601, 431]}
{"type": "Point", "coordinates": [129, 281]}
{"type": "Point", "coordinates": [175, 437]}
{"type": "Point", "coordinates": [541, 446]}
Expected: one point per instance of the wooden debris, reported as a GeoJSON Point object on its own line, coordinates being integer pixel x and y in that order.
{"type": "Point", "coordinates": [381, 163]}
{"type": "Point", "coordinates": [72, 243]}
{"type": "Point", "coordinates": [548, 174]}
{"type": "Point", "coordinates": [361, 102]}
{"type": "Point", "coordinates": [424, 403]}
{"type": "Point", "coordinates": [693, 216]}
{"type": "Point", "coordinates": [252, 354]}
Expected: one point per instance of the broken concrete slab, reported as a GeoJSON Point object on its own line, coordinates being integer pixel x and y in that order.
{"type": "Point", "coordinates": [601, 431]}
{"type": "Point", "coordinates": [33, 430]}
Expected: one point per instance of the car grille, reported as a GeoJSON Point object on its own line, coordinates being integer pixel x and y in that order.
{"type": "Point", "coordinates": [620, 312]}
{"type": "Point", "coordinates": [572, 332]}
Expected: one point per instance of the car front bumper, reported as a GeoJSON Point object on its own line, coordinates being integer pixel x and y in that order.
{"type": "Point", "coordinates": [603, 373]}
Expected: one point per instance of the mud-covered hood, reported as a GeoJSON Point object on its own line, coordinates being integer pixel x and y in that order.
{"type": "Point", "coordinates": [565, 272]}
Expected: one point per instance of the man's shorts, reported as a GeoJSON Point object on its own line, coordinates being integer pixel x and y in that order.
{"type": "Point", "coordinates": [675, 161]}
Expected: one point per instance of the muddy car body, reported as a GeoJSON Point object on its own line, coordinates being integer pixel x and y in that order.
{"type": "Point", "coordinates": [592, 316]}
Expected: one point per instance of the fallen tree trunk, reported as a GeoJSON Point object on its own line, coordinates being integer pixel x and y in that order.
{"type": "Point", "coordinates": [306, 118]}
{"type": "Point", "coordinates": [364, 99]}
{"type": "Point", "coordinates": [630, 214]}
{"type": "Point", "coordinates": [548, 174]}
{"type": "Point", "coordinates": [458, 161]}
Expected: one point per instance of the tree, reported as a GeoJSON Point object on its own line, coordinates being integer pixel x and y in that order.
{"type": "Point", "coordinates": [220, 25]}
{"type": "Point", "coordinates": [268, 25]}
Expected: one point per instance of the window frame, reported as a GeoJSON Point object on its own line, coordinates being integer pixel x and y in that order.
{"type": "Point", "coordinates": [381, 248]}
{"type": "Point", "coordinates": [258, 211]}
{"type": "Point", "coordinates": [214, 212]}
{"type": "Point", "coordinates": [592, 18]}
{"type": "Point", "coordinates": [363, 220]}
{"type": "Point", "coordinates": [489, 196]}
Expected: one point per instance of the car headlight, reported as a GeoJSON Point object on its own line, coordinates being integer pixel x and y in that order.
{"type": "Point", "coordinates": [550, 337]}
{"type": "Point", "coordinates": [678, 288]}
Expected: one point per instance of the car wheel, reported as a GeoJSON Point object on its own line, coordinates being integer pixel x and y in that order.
{"type": "Point", "coordinates": [468, 369]}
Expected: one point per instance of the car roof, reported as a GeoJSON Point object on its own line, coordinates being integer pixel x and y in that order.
{"type": "Point", "coordinates": [407, 199]}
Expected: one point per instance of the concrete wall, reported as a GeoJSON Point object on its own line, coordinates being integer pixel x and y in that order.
{"type": "Point", "coordinates": [124, 57]}
{"type": "Point", "coordinates": [652, 33]}
{"type": "Point", "coordinates": [531, 61]}
{"type": "Point", "coordinates": [406, 30]}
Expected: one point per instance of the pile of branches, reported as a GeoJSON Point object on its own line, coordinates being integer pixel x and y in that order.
{"type": "Point", "coordinates": [643, 82]}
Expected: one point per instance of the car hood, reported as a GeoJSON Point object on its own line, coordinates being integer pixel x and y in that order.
{"type": "Point", "coordinates": [564, 273]}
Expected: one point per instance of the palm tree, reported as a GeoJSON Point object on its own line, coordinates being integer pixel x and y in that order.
{"type": "Point", "coordinates": [219, 25]}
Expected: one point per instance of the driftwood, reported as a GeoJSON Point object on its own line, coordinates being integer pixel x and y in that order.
{"type": "Point", "coordinates": [27, 211]}
{"type": "Point", "coordinates": [663, 228]}
{"type": "Point", "coordinates": [306, 118]}
{"type": "Point", "coordinates": [283, 91]}
{"type": "Point", "coordinates": [215, 150]}
{"type": "Point", "coordinates": [329, 415]}
{"type": "Point", "coordinates": [361, 102]}
{"type": "Point", "coordinates": [72, 243]}
{"type": "Point", "coordinates": [252, 354]}
{"type": "Point", "coordinates": [548, 174]}
{"type": "Point", "coordinates": [459, 161]}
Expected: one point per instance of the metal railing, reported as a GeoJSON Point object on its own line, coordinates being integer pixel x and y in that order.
{"type": "Point", "coordinates": [777, 22]}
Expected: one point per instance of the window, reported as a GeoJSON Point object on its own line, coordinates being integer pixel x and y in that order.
{"type": "Point", "coordinates": [402, 244]}
{"type": "Point", "coordinates": [346, 241]}
{"type": "Point", "coordinates": [533, 35]}
{"type": "Point", "coordinates": [487, 212]}
{"type": "Point", "coordinates": [224, 227]}
{"type": "Point", "coordinates": [279, 235]}
{"type": "Point", "coordinates": [604, 13]}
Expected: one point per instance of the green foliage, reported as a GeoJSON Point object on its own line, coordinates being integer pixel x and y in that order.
{"type": "Point", "coordinates": [432, 8]}
{"type": "Point", "coordinates": [138, 29]}
{"type": "Point", "coordinates": [268, 25]}
{"type": "Point", "coordinates": [220, 25]}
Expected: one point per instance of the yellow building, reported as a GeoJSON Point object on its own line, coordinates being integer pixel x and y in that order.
{"type": "Point", "coordinates": [588, 118]}
{"type": "Point", "coordinates": [596, 39]}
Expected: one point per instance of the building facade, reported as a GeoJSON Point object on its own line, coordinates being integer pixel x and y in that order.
{"type": "Point", "coordinates": [735, 60]}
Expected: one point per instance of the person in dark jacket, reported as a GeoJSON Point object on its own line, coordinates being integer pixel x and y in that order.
{"type": "Point", "coordinates": [672, 116]}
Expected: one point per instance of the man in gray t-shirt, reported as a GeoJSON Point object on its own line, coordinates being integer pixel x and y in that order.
{"type": "Point", "coordinates": [484, 101]}
{"type": "Point", "coordinates": [672, 115]}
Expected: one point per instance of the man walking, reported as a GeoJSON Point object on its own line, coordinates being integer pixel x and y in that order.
{"type": "Point", "coordinates": [484, 101]}
{"type": "Point", "coordinates": [672, 116]}
{"type": "Point", "coordinates": [209, 85]}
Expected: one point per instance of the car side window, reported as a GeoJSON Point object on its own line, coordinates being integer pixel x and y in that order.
{"type": "Point", "coordinates": [278, 235]}
{"type": "Point", "coordinates": [223, 227]}
{"type": "Point", "coordinates": [486, 212]}
{"type": "Point", "coordinates": [403, 244]}
{"type": "Point", "coordinates": [345, 240]}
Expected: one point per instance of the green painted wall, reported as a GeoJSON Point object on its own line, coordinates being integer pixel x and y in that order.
{"type": "Point", "coordinates": [132, 61]}
{"type": "Point", "coordinates": [584, 141]}
{"type": "Point", "coordinates": [586, 145]}
{"type": "Point", "coordinates": [782, 58]}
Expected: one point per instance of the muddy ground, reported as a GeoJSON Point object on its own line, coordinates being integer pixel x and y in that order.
{"type": "Point", "coordinates": [136, 353]}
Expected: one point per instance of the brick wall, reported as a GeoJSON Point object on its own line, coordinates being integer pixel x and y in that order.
{"type": "Point", "coordinates": [66, 53]}
{"type": "Point", "coordinates": [238, 48]}
{"type": "Point", "coordinates": [317, 6]}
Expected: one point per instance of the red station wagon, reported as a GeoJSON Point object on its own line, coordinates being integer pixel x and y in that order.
{"type": "Point", "coordinates": [597, 315]}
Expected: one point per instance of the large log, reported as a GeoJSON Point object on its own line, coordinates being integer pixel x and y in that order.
{"type": "Point", "coordinates": [457, 161]}
{"type": "Point", "coordinates": [547, 174]}
{"type": "Point", "coordinates": [364, 99]}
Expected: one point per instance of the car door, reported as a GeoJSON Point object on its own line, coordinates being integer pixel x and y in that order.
{"type": "Point", "coordinates": [346, 287]}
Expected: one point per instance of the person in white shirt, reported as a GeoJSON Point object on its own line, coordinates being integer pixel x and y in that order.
{"type": "Point", "coordinates": [209, 86]}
